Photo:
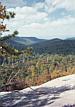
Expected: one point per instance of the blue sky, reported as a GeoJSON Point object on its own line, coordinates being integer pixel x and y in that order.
{"type": "Point", "coordinates": [42, 18]}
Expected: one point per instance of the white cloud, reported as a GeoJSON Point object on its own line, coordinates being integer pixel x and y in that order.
{"type": "Point", "coordinates": [13, 3]}
{"type": "Point", "coordinates": [69, 4]}
{"type": "Point", "coordinates": [52, 5]}
{"type": "Point", "coordinates": [39, 5]}
{"type": "Point", "coordinates": [26, 16]}
{"type": "Point", "coordinates": [49, 29]}
{"type": "Point", "coordinates": [32, 21]}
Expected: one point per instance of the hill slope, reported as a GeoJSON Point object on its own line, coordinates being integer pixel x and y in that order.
{"type": "Point", "coordinates": [22, 42]}
{"type": "Point", "coordinates": [55, 46]}
{"type": "Point", "coordinates": [59, 92]}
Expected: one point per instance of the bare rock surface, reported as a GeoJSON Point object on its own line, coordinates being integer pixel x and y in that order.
{"type": "Point", "coordinates": [59, 92]}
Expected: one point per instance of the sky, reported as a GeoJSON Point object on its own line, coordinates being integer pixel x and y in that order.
{"type": "Point", "coordinates": [45, 19]}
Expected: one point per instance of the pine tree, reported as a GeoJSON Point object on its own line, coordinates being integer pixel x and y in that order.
{"type": "Point", "coordinates": [4, 14]}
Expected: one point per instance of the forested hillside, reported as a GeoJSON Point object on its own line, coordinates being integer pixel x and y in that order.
{"type": "Point", "coordinates": [53, 46]}
{"type": "Point", "coordinates": [27, 61]}
{"type": "Point", "coordinates": [21, 71]}
{"type": "Point", "coordinates": [21, 43]}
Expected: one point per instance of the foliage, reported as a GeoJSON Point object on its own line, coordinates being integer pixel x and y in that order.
{"type": "Point", "coordinates": [20, 69]}
{"type": "Point", "coordinates": [35, 70]}
{"type": "Point", "coordinates": [54, 46]}
{"type": "Point", "coordinates": [4, 14]}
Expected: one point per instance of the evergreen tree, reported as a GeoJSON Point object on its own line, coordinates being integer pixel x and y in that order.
{"type": "Point", "coordinates": [4, 14]}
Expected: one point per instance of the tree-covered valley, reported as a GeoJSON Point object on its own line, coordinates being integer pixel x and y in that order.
{"type": "Point", "coordinates": [27, 69]}
{"type": "Point", "coordinates": [52, 46]}
{"type": "Point", "coordinates": [37, 53]}
{"type": "Point", "coordinates": [28, 61]}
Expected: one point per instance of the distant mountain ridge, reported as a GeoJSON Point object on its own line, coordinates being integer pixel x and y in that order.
{"type": "Point", "coordinates": [53, 46]}
{"type": "Point", "coordinates": [71, 38]}
{"type": "Point", "coordinates": [22, 42]}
